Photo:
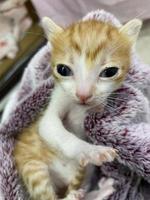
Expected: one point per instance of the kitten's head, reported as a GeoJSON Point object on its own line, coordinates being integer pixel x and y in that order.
{"type": "Point", "coordinates": [90, 59]}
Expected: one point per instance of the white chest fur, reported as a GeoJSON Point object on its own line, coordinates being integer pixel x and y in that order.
{"type": "Point", "coordinates": [63, 111]}
{"type": "Point", "coordinates": [74, 121]}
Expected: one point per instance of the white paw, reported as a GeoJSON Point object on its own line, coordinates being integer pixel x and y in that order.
{"type": "Point", "coordinates": [98, 155]}
{"type": "Point", "coordinates": [105, 183]}
{"type": "Point", "coordinates": [76, 195]}
{"type": "Point", "coordinates": [105, 188]}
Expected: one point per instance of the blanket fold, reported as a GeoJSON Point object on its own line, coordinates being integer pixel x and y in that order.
{"type": "Point", "coordinates": [124, 124]}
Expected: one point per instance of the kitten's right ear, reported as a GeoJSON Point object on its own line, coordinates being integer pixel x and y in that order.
{"type": "Point", "coordinates": [132, 29]}
{"type": "Point", "coordinates": [50, 28]}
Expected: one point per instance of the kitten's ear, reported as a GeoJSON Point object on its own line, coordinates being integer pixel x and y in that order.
{"type": "Point", "coordinates": [132, 29]}
{"type": "Point", "coordinates": [50, 27]}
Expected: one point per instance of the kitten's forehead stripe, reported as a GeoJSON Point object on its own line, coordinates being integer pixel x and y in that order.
{"type": "Point", "coordinates": [95, 40]}
{"type": "Point", "coordinates": [91, 38]}
{"type": "Point", "coordinates": [75, 46]}
{"type": "Point", "coordinates": [93, 53]}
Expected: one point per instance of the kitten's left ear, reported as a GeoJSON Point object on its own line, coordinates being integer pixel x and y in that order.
{"type": "Point", "coordinates": [50, 28]}
{"type": "Point", "coordinates": [132, 29]}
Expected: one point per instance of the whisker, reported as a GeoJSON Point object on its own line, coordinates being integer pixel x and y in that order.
{"type": "Point", "coordinates": [118, 99]}
{"type": "Point", "coordinates": [110, 108]}
{"type": "Point", "coordinates": [108, 105]}
{"type": "Point", "coordinates": [114, 108]}
{"type": "Point", "coordinates": [116, 103]}
{"type": "Point", "coordinates": [115, 93]}
{"type": "Point", "coordinates": [113, 98]}
{"type": "Point", "coordinates": [96, 105]}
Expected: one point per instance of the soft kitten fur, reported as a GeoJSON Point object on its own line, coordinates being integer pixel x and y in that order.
{"type": "Point", "coordinates": [52, 154]}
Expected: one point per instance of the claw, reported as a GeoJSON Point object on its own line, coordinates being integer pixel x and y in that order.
{"type": "Point", "coordinates": [98, 155]}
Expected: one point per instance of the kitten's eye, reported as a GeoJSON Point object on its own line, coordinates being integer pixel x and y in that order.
{"type": "Point", "coordinates": [64, 70]}
{"type": "Point", "coordinates": [109, 72]}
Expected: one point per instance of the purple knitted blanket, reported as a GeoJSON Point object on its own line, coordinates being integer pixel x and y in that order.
{"type": "Point", "coordinates": [124, 126]}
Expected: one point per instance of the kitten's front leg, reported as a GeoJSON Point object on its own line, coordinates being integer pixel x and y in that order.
{"type": "Point", "coordinates": [52, 130]}
{"type": "Point", "coordinates": [55, 135]}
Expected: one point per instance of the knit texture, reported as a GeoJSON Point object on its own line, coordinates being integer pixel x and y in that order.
{"type": "Point", "coordinates": [124, 126]}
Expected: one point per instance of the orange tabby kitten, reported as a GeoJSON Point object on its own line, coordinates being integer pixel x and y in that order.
{"type": "Point", "coordinates": [90, 60]}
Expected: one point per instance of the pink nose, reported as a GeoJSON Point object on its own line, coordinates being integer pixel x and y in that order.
{"type": "Point", "coordinates": [83, 98]}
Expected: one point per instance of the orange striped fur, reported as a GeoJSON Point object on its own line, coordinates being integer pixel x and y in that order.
{"type": "Point", "coordinates": [101, 42]}
{"type": "Point", "coordinates": [33, 160]}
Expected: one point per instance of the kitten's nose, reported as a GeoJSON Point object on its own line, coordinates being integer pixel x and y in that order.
{"type": "Point", "coordinates": [83, 97]}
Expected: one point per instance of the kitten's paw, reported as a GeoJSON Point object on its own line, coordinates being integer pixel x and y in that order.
{"type": "Point", "coordinates": [106, 183]}
{"type": "Point", "coordinates": [105, 188]}
{"type": "Point", "coordinates": [98, 155]}
{"type": "Point", "coordinates": [76, 195]}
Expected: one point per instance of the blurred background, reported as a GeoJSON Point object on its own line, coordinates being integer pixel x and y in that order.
{"type": "Point", "coordinates": [21, 34]}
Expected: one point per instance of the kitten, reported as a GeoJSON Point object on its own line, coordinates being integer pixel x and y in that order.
{"type": "Point", "coordinates": [90, 59]}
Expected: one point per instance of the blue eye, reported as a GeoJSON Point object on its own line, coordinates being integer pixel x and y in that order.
{"type": "Point", "coordinates": [109, 72]}
{"type": "Point", "coordinates": [64, 70]}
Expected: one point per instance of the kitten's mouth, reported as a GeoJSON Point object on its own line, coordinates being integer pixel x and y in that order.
{"type": "Point", "coordinates": [84, 103]}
